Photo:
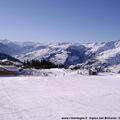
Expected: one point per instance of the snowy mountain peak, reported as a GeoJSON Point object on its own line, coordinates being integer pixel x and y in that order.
{"type": "Point", "coordinates": [5, 41]}
{"type": "Point", "coordinates": [65, 53]}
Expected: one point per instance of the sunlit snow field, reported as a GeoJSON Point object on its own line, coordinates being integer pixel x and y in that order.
{"type": "Point", "coordinates": [63, 94]}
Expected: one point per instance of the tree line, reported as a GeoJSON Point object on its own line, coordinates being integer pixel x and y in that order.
{"type": "Point", "coordinates": [43, 64]}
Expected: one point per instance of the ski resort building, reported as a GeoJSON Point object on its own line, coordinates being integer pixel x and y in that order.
{"type": "Point", "coordinates": [7, 70]}
{"type": "Point", "coordinates": [9, 67]}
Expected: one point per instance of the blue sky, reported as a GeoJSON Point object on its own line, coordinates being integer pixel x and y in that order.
{"type": "Point", "coordinates": [52, 21]}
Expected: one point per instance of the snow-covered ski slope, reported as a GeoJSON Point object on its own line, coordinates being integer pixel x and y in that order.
{"type": "Point", "coordinates": [63, 95]}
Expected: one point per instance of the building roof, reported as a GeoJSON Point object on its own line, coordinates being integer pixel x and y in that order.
{"type": "Point", "coordinates": [9, 68]}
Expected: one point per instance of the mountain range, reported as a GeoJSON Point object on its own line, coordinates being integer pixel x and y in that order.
{"type": "Point", "coordinates": [105, 54]}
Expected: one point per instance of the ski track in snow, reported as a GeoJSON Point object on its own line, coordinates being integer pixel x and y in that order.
{"type": "Point", "coordinates": [50, 98]}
